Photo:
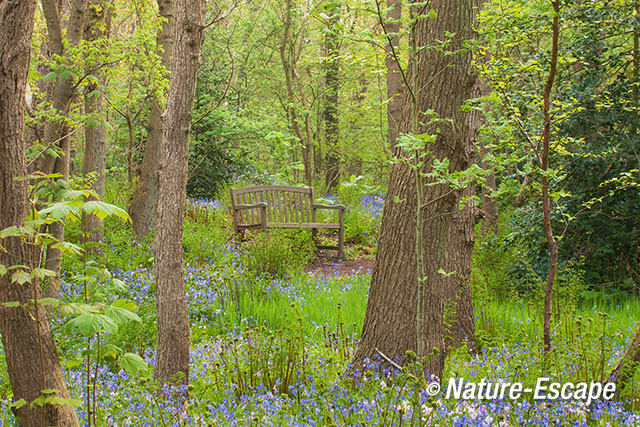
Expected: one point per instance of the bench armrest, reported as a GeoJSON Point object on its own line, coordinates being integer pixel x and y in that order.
{"type": "Point", "coordinates": [250, 206]}
{"type": "Point", "coordinates": [319, 206]}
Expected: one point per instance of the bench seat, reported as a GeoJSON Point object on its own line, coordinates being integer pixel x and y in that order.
{"type": "Point", "coordinates": [279, 206]}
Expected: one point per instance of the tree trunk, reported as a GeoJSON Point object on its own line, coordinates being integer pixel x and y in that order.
{"type": "Point", "coordinates": [394, 75]}
{"type": "Point", "coordinates": [544, 166]}
{"type": "Point", "coordinates": [332, 81]}
{"type": "Point", "coordinates": [32, 359]}
{"type": "Point", "coordinates": [289, 54]}
{"type": "Point", "coordinates": [95, 137]}
{"type": "Point", "coordinates": [56, 132]}
{"type": "Point", "coordinates": [172, 356]}
{"type": "Point", "coordinates": [145, 199]}
{"type": "Point", "coordinates": [448, 233]}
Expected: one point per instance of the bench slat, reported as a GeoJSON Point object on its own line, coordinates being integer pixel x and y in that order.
{"type": "Point", "coordinates": [283, 207]}
{"type": "Point", "coordinates": [302, 225]}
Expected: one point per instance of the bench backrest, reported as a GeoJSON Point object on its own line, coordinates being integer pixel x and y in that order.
{"type": "Point", "coordinates": [284, 204]}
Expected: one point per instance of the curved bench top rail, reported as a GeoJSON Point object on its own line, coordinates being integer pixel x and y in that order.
{"type": "Point", "coordinates": [304, 190]}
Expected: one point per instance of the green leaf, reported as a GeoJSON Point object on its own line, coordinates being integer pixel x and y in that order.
{"type": "Point", "coordinates": [89, 324]}
{"type": "Point", "coordinates": [73, 363]}
{"type": "Point", "coordinates": [12, 231]}
{"type": "Point", "coordinates": [68, 247]}
{"type": "Point", "coordinates": [21, 277]}
{"type": "Point", "coordinates": [3, 270]}
{"type": "Point", "coordinates": [11, 304]}
{"type": "Point", "coordinates": [132, 363]}
{"type": "Point", "coordinates": [121, 315]}
{"type": "Point", "coordinates": [18, 404]}
{"type": "Point", "coordinates": [49, 301]}
{"type": "Point", "coordinates": [432, 14]}
{"type": "Point", "coordinates": [41, 273]}
{"type": "Point", "coordinates": [50, 77]}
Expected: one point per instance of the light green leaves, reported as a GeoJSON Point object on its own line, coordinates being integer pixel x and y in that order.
{"type": "Point", "coordinates": [133, 364]}
{"type": "Point", "coordinates": [90, 324]}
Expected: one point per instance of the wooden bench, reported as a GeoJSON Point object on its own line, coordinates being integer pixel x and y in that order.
{"type": "Point", "coordinates": [282, 207]}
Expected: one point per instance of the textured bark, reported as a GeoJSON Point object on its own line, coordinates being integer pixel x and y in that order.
{"type": "Point", "coordinates": [394, 76]}
{"type": "Point", "coordinates": [544, 166]}
{"type": "Point", "coordinates": [172, 356]}
{"type": "Point", "coordinates": [332, 81]}
{"type": "Point", "coordinates": [145, 199]}
{"type": "Point", "coordinates": [443, 84]}
{"type": "Point", "coordinates": [30, 352]}
{"type": "Point", "coordinates": [56, 133]}
{"type": "Point", "coordinates": [290, 49]}
{"type": "Point", "coordinates": [95, 137]}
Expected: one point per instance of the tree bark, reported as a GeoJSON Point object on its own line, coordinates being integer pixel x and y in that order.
{"type": "Point", "coordinates": [56, 132]}
{"type": "Point", "coordinates": [32, 359]}
{"type": "Point", "coordinates": [332, 81]}
{"type": "Point", "coordinates": [444, 82]}
{"type": "Point", "coordinates": [95, 137]}
{"type": "Point", "coordinates": [544, 166]}
{"type": "Point", "coordinates": [394, 75]}
{"type": "Point", "coordinates": [172, 356]}
{"type": "Point", "coordinates": [289, 53]}
{"type": "Point", "coordinates": [145, 199]}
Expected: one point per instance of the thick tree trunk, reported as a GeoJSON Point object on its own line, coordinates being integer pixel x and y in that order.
{"type": "Point", "coordinates": [56, 132]}
{"type": "Point", "coordinates": [448, 233]}
{"type": "Point", "coordinates": [394, 75]}
{"type": "Point", "coordinates": [145, 199]}
{"type": "Point", "coordinates": [30, 352]}
{"type": "Point", "coordinates": [172, 356]}
{"type": "Point", "coordinates": [95, 137]}
{"type": "Point", "coordinates": [332, 81]}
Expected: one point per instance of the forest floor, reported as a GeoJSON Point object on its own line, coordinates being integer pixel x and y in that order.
{"type": "Point", "coordinates": [326, 262]}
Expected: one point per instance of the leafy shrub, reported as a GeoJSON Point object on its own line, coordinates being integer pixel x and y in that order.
{"type": "Point", "coordinates": [278, 253]}
{"type": "Point", "coordinates": [491, 266]}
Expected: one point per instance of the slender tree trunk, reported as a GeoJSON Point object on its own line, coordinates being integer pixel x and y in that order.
{"type": "Point", "coordinates": [394, 76]}
{"type": "Point", "coordinates": [332, 81]}
{"type": "Point", "coordinates": [544, 166]}
{"type": "Point", "coordinates": [95, 137]}
{"type": "Point", "coordinates": [172, 356]}
{"type": "Point", "coordinates": [289, 53]}
{"type": "Point", "coordinates": [489, 202]}
{"type": "Point", "coordinates": [30, 352]}
{"type": "Point", "coordinates": [444, 82]}
{"type": "Point", "coordinates": [56, 132]}
{"type": "Point", "coordinates": [145, 199]}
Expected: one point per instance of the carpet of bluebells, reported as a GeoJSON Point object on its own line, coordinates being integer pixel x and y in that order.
{"type": "Point", "coordinates": [237, 375]}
